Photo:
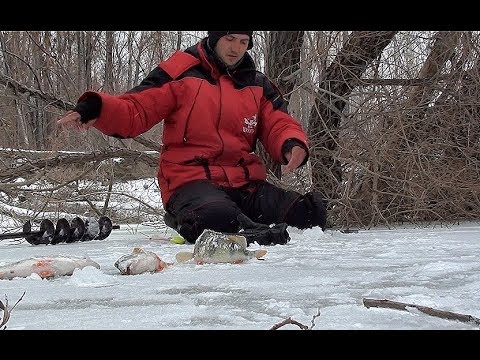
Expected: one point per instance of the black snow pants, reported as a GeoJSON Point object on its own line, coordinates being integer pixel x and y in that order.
{"type": "Point", "coordinates": [201, 205]}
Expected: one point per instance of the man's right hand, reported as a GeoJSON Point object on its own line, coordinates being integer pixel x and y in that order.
{"type": "Point", "coordinates": [72, 120]}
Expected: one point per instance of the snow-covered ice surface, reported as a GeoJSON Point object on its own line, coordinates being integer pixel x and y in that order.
{"type": "Point", "coordinates": [317, 273]}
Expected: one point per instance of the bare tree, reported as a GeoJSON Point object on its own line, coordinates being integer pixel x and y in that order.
{"type": "Point", "coordinates": [392, 118]}
{"type": "Point", "coordinates": [109, 44]}
{"type": "Point", "coordinates": [358, 52]}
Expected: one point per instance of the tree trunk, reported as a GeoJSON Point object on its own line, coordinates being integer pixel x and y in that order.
{"type": "Point", "coordinates": [359, 50]}
{"type": "Point", "coordinates": [282, 59]}
{"type": "Point", "coordinates": [108, 84]}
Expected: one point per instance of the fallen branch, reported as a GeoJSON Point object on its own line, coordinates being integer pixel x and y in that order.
{"type": "Point", "coordinates": [58, 103]}
{"type": "Point", "coordinates": [289, 321]}
{"type": "Point", "coordinates": [424, 309]}
{"type": "Point", "coordinates": [63, 159]}
{"type": "Point", "coordinates": [22, 89]}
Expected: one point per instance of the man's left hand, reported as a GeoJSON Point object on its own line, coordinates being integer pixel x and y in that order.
{"type": "Point", "coordinates": [295, 158]}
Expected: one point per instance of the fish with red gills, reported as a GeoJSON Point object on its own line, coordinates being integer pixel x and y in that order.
{"type": "Point", "coordinates": [139, 262]}
{"type": "Point", "coordinates": [46, 267]}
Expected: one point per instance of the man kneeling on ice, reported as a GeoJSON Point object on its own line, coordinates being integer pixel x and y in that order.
{"type": "Point", "coordinates": [215, 105]}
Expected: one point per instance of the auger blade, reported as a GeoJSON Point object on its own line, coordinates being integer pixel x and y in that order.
{"type": "Point", "coordinates": [62, 231]}
{"type": "Point", "coordinates": [92, 229]}
{"type": "Point", "coordinates": [44, 236]}
{"type": "Point", "coordinates": [77, 230]}
{"type": "Point", "coordinates": [106, 226]}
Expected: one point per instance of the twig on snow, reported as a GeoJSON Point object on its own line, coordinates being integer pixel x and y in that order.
{"type": "Point", "coordinates": [289, 321]}
{"type": "Point", "coordinates": [6, 311]}
{"type": "Point", "coordinates": [294, 322]}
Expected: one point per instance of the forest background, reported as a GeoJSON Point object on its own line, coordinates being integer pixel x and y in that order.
{"type": "Point", "coordinates": [392, 118]}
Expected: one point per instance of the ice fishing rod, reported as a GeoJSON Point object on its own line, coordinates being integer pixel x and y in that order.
{"type": "Point", "coordinates": [64, 231]}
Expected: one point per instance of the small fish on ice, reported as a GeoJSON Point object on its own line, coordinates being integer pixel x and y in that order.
{"type": "Point", "coordinates": [217, 247]}
{"type": "Point", "coordinates": [140, 261]}
{"type": "Point", "coordinates": [46, 267]}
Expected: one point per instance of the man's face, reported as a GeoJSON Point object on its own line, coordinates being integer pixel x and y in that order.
{"type": "Point", "coordinates": [231, 48]}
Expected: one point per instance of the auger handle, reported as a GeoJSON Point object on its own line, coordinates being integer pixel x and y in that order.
{"type": "Point", "coordinates": [19, 235]}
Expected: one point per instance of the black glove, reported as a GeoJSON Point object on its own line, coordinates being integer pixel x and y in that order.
{"type": "Point", "coordinates": [89, 108]}
{"type": "Point", "coordinates": [262, 234]}
{"type": "Point", "coordinates": [288, 146]}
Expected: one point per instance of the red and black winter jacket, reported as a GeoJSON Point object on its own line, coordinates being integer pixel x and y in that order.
{"type": "Point", "coordinates": [211, 119]}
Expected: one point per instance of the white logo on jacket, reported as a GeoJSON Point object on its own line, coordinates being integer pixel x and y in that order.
{"type": "Point", "coordinates": [251, 124]}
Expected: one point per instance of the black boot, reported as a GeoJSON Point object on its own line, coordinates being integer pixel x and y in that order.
{"type": "Point", "coordinates": [170, 220]}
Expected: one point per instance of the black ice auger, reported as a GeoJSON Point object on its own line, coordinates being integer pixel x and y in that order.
{"type": "Point", "coordinates": [64, 231]}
